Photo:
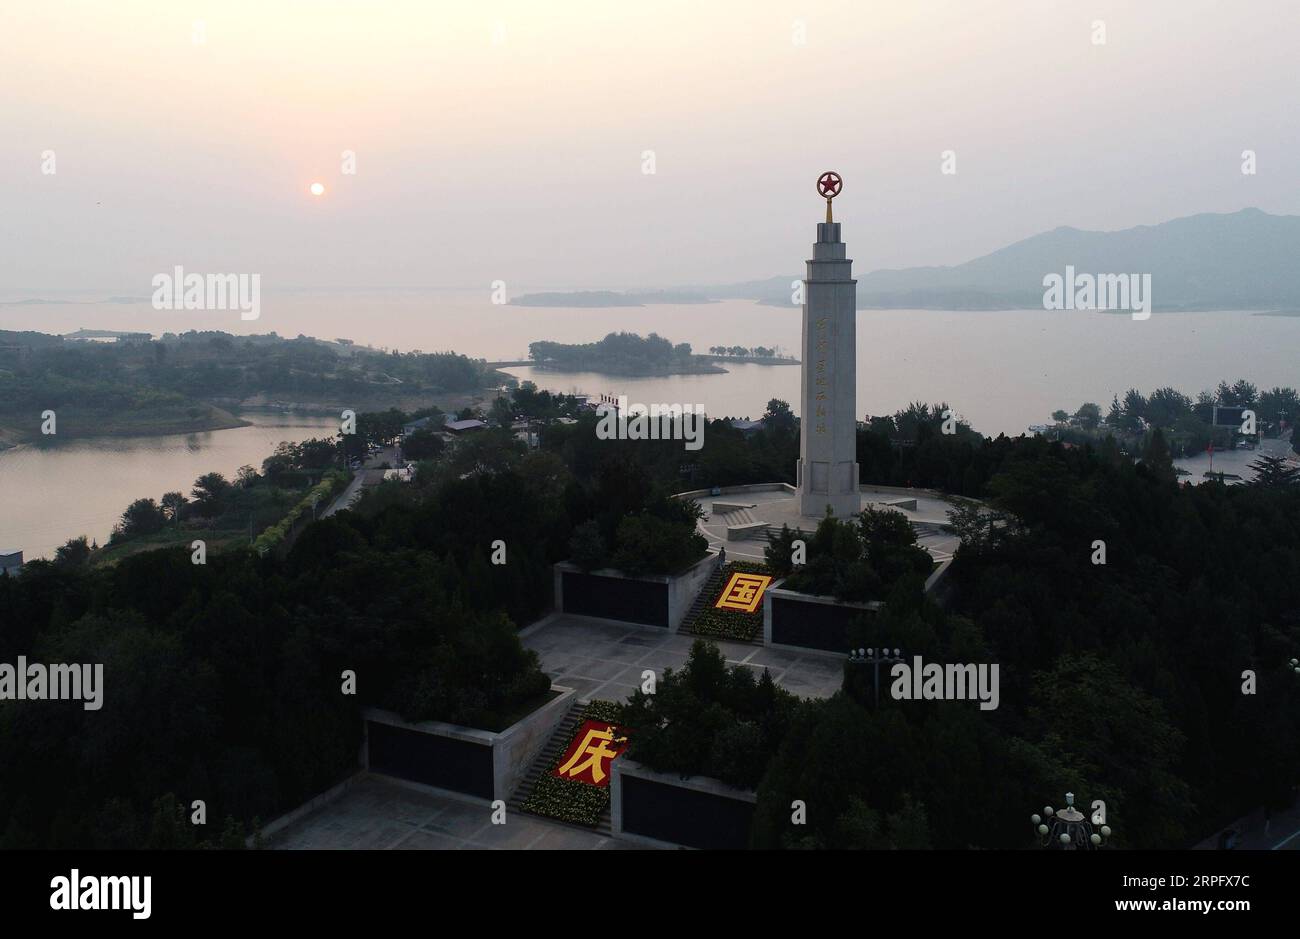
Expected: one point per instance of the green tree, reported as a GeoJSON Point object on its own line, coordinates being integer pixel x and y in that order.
{"type": "Point", "coordinates": [1134, 409]}
{"type": "Point", "coordinates": [1115, 417]}
{"type": "Point", "coordinates": [1088, 415]}
{"type": "Point", "coordinates": [649, 544]}
{"type": "Point", "coordinates": [502, 413]}
{"type": "Point", "coordinates": [486, 452]}
{"type": "Point", "coordinates": [143, 517]}
{"type": "Point", "coordinates": [73, 553]}
{"type": "Point", "coordinates": [778, 416]}
{"type": "Point", "coordinates": [209, 494]}
{"type": "Point", "coordinates": [173, 504]}
{"type": "Point", "coordinates": [1240, 394]}
{"type": "Point", "coordinates": [1156, 456]}
{"type": "Point", "coordinates": [587, 547]}
{"type": "Point", "coordinates": [779, 550]}
{"type": "Point", "coordinates": [1166, 407]}
{"type": "Point", "coordinates": [1279, 404]}
{"type": "Point", "coordinates": [423, 445]}
{"type": "Point", "coordinates": [1274, 471]}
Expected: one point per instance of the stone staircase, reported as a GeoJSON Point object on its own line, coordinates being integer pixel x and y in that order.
{"type": "Point", "coordinates": [738, 518]}
{"type": "Point", "coordinates": [774, 531]}
{"type": "Point", "coordinates": [741, 517]}
{"type": "Point", "coordinates": [702, 601]}
{"type": "Point", "coordinates": [564, 732]}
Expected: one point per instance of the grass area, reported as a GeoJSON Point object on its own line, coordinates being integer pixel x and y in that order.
{"type": "Point", "coordinates": [110, 554]}
{"type": "Point", "coordinates": [257, 508]}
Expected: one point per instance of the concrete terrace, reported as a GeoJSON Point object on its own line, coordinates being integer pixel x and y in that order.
{"type": "Point", "coordinates": [751, 512]}
{"type": "Point", "coordinates": [604, 659]}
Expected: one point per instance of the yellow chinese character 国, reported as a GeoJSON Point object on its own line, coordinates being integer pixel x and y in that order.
{"type": "Point", "coordinates": [744, 592]}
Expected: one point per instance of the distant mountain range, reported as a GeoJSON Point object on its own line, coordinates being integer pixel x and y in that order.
{"type": "Point", "coordinates": [1247, 260]}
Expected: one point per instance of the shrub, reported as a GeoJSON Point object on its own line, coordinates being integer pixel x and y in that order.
{"type": "Point", "coordinates": [710, 719]}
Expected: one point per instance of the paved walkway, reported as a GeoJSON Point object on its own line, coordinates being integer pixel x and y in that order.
{"type": "Point", "coordinates": [381, 813]}
{"type": "Point", "coordinates": [604, 659]}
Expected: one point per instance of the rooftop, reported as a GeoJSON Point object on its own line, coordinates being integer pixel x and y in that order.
{"type": "Point", "coordinates": [457, 426]}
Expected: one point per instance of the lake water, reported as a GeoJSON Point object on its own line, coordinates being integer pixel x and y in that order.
{"type": "Point", "coordinates": [1002, 371]}
{"type": "Point", "coordinates": [52, 492]}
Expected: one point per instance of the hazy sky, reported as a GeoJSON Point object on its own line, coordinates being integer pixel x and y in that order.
{"type": "Point", "coordinates": [502, 140]}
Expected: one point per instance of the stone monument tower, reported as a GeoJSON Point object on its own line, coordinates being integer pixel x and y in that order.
{"type": "Point", "coordinates": [828, 468]}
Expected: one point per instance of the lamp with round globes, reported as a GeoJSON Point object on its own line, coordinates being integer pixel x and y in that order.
{"type": "Point", "coordinates": [1069, 829]}
{"type": "Point", "coordinates": [874, 657]}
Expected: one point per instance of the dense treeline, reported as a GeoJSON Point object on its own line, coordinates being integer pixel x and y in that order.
{"type": "Point", "coordinates": [1187, 425]}
{"type": "Point", "coordinates": [1120, 681]}
{"type": "Point", "coordinates": [1199, 584]}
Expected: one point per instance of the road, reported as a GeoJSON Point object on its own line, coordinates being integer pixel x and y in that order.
{"type": "Point", "coordinates": [369, 475]}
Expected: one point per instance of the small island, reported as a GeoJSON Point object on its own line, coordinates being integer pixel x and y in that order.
{"type": "Point", "coordinates": [629, 354]}
{"type": "Point", "coordinates": [622, 354]}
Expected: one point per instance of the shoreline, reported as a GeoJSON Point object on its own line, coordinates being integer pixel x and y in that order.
{"type": "Point", "coordinates": [10, 439]}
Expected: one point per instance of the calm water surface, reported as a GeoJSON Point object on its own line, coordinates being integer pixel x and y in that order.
{"type": "Point", "coordinates": [51, 493]}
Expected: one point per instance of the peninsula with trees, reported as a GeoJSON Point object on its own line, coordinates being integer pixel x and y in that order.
{"type": "Point", "coordinates": [201, 381]}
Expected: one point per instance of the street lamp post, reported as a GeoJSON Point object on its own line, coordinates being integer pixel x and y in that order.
{"type": "Point", "coordinates": [874, 657]}
{"type": "Point", "coordinates": [1068, 829]}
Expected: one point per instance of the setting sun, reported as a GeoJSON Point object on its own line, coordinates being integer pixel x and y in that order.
{"type": "Point", "coordinates": [317, 189]}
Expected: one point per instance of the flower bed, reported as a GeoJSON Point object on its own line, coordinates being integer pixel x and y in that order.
{"type": "Point", "coordinates": [571, 800]}
{"type": "Point", "coordinates": [731, 624]}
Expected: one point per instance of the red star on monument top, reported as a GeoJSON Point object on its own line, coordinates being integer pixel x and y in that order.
{"type": "Point", "coordinates": [829, 185]}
